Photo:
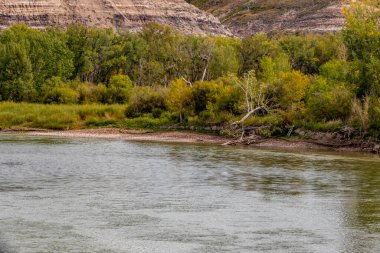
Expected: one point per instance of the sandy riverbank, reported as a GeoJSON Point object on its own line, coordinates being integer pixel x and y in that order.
{"type": "Point", "coordinates": [183, 137]}
{"type": "Point", "coordinates": [135, 135]}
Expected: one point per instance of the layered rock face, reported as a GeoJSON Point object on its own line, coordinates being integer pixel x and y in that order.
{"type": "Point", "coordinates": [247, 17]}
{"type": "Point", "coordinates": [129, 14]}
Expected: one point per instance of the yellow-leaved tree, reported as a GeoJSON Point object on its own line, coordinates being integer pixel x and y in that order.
{"type": "Point", "coordinates": [179, 98]}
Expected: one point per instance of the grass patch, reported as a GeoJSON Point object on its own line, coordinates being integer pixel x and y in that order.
{"type": "Point", "coordinates": [64, 117]}
{"type": "Point", "coordinates": [144, 123]}
{"type": "Point", "coordinates": [59, 117]}
{"type": "Point", "coordinates": [329, 126]}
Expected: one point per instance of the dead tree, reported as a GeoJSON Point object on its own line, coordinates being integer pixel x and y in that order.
{"type": "Point", "coordinates": [255, 96]}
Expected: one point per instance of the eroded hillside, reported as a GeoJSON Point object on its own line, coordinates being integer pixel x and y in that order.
{"type": "Point", "coordinates": [130, 14]}
{"type": "Point", "coordinates": [245, 17]}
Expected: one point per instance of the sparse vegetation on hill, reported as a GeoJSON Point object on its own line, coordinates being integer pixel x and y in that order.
{"type": "Point", "coordinates": [244, 17]}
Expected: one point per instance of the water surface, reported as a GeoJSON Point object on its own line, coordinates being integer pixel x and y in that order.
{"type": "Point", "coordinates": [92, 195]}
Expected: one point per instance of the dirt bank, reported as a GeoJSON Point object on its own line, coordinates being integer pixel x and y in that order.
{"type": "Point", "coordinates": [192, 137]}
{"type": "Point", "coordinates": [135, 135]}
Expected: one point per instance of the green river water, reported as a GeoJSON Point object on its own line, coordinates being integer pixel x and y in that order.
{"type": "Point", "coordinates": [97, 195]}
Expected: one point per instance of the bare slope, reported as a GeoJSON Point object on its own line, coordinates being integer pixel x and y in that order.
{"type": "Point", "coordinates": [246, 17]}
{"type": "Point", "coordinates": [131, 14]}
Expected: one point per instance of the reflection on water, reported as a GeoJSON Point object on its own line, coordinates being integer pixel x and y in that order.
{"type": "Point", "coordinates": [66, 195]}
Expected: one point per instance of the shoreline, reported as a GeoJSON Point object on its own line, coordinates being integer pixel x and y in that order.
{"type": "Point", "coordinates": [126, 134]}
{"type": "Point", "coordinates": [184, 137]}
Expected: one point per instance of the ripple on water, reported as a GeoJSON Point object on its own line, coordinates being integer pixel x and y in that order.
{"type": "Point", "coordinates": [71, 195]}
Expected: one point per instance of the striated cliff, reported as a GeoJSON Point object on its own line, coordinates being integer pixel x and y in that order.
{"type": "Point", "coordinates": [246, 17]}
{"type": "Point", "coordinates": [130, 14]}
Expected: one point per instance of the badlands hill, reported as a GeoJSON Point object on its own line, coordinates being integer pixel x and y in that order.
{"type": "Point", "coordinates": [246, 17]}
{"type": "Point", "coordinates": [118, 14]}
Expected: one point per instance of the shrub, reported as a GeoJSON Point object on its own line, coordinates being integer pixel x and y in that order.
{"type": "Point", "coordinates": [144, 100]}
{"type": "Point", "coordinates": [61, 95]}
{"type": "Point", "coordinates": [291, 89]}
{"type": "Point", "coordinates": [228, 99]}
{"type": "Point", "coordinates": [337, 70]}
{"type": "Point", "coordinates": [360, 114]}
{"type": "Point", "coordinates": [55, 91]}
{"type": "Point", "coordinates": [157, 112]}
{"type": "Point", "coordinates": [374, 113]}
{"type": "Point", "coordinates": [329, 102]}
{"type": "Point", "coordinates": [87, 92]}
{"type": "Point", "coordinates": [118, 89]}
{"type": "Point", "coordinates": [272, 119]}
{"type": "Point", "coordinates": [101, 93]}
{"type": "Point", "coordinates": [205, 93]}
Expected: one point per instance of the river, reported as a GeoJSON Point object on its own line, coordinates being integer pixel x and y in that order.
{"type": "Point", "coordinates": [98, 195]}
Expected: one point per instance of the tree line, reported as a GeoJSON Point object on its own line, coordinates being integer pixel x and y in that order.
{"type": "Point", "coordinates": [316, 81]}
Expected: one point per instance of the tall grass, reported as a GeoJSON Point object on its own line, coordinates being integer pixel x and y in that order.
{"type": "Point", "coordinates": [65, 117]}
{"type": "Point", "coordinates": [59, 117]}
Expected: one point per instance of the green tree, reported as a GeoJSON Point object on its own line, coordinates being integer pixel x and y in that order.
{"type": "Point", "coordinates": [49, 55]}
{"type": "Point", "coordinates": [271, 68]}
{"type": "Point", "coordinates": [253, 49]}
{"type": "Point", "coordinates": [308, 53]}
{"type": "Point", "coordinates": [152, 73]}
{"type": "Point", "coordinates": [361, 36]}
{"type": "Point", "coordinates": [164, 49]}
{"type": "Point", "coordinates": [197, 54]}
{"type": "Point", "coordinates": [77, 43]}
{"type": "Point", "coordinates": [95, 53]}
{"type": "Point", "coordinates": [46, 50]}
{"type": "Point", "coordinates": [16, 77]}
{"type": "Point", "coordinates": [224, 59]}
{"type": "Point", "coordinates": [340, 71]}
{"type": "Point", "coordinates": [135, 49]}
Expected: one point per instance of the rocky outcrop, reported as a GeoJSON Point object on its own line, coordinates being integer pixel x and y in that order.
{"type": "Point", "coordinates": [124, 14]}
{"type": "Point", "coordinates": [247, 17]}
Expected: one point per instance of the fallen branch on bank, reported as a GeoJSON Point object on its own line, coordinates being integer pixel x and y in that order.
{"type": "Point", "coordinates": [249, 114]}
